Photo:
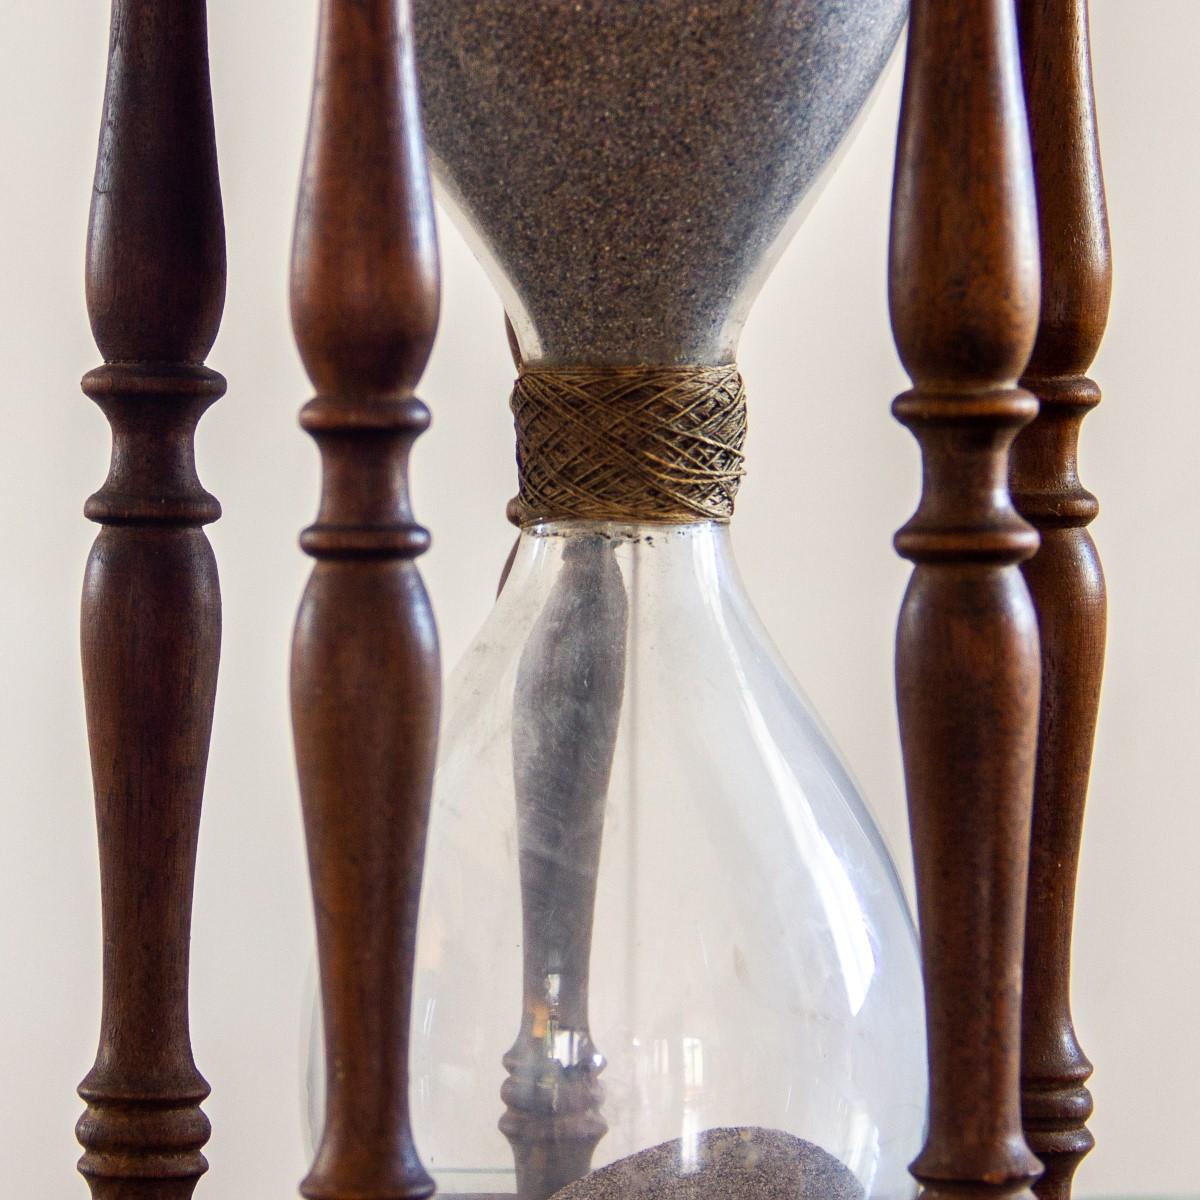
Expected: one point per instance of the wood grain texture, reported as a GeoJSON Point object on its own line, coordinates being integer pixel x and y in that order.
{"type": "Point", "coordinates": [964, 301]}
{"type": "Point", "coordinates": [1064, 577]}
{"type": "Point", "coordinates": [365, 673]}
{"type": "Point", "coordinates": [151, 618]}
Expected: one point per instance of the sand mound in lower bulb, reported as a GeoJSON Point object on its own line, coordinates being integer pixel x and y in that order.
{"type": "Point", "coordinates": [720, 1164]}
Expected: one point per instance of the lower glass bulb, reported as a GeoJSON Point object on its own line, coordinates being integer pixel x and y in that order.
{"type": "Point", "coordinates": [663, 951]}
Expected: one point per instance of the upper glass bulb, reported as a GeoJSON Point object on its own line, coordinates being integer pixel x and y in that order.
{"type": "Point", "coordinates": [629, 170]}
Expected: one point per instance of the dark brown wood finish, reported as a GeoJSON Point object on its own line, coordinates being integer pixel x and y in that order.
{"type": "Point", "coordinates": [151, 624]}
{"type": "Point", "coordinates": [1064, 576]}
{"type": "Point", "coordinates": [365, 674]}
{"type": "Point", "coordinates": [964, 303]}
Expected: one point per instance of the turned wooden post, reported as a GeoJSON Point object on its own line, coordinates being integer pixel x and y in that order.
{"type": "Point", "coordinates": [151, 604]}
{"type": "Point", "coordinates": [964, 302]}
{"type": "Point", "coordinates": [365, 674]}
{"type": "Point", "coordinates": [1064, 576]}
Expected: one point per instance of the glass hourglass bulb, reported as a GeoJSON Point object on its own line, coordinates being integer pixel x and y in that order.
{"type": "Point", "coordinates": [662, 950]}
{"type": "Point", "coordinates": [646, 849]}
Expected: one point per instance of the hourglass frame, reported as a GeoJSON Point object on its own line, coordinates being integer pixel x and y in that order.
{"type": "Point", "coordinates": [1000, 643]}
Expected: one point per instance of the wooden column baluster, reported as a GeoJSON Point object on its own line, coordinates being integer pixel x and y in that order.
{"type": "Point", "coordinates": [964, 303]}
{"type": "Point", "coordinates": [1064, 577]}
{"type": "Point", "coordinates": [151, 623]}
{"type": "Point", "coordinates": [365, 673]}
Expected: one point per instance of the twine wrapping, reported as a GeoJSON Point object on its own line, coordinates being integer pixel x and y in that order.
{"type": "Point", "coordinates": [628, 443]}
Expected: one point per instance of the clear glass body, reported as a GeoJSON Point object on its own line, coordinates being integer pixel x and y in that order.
{"type": "Point", "coordinates": [656, 914]}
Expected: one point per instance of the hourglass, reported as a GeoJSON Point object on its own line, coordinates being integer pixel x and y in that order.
{"type": "Point", "coordinates": [663, 944]}
{"type": "Point", "coordinates": [694, 967]}
{"type": "Point", "coordinates": [662, 952]}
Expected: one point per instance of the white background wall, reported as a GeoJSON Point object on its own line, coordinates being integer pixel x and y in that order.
{"type": "Point", "coordinates": [832, 477]}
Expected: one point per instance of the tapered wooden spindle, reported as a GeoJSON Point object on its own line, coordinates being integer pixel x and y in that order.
{"type": "Point", "coordinates": [964, 302]}
{"type": "Point", "coordinates": [1064, 576]}
{"type": "Point", "coordinates": [151, 602]}
{"type": "Point", "coordinates": [365, 673]}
